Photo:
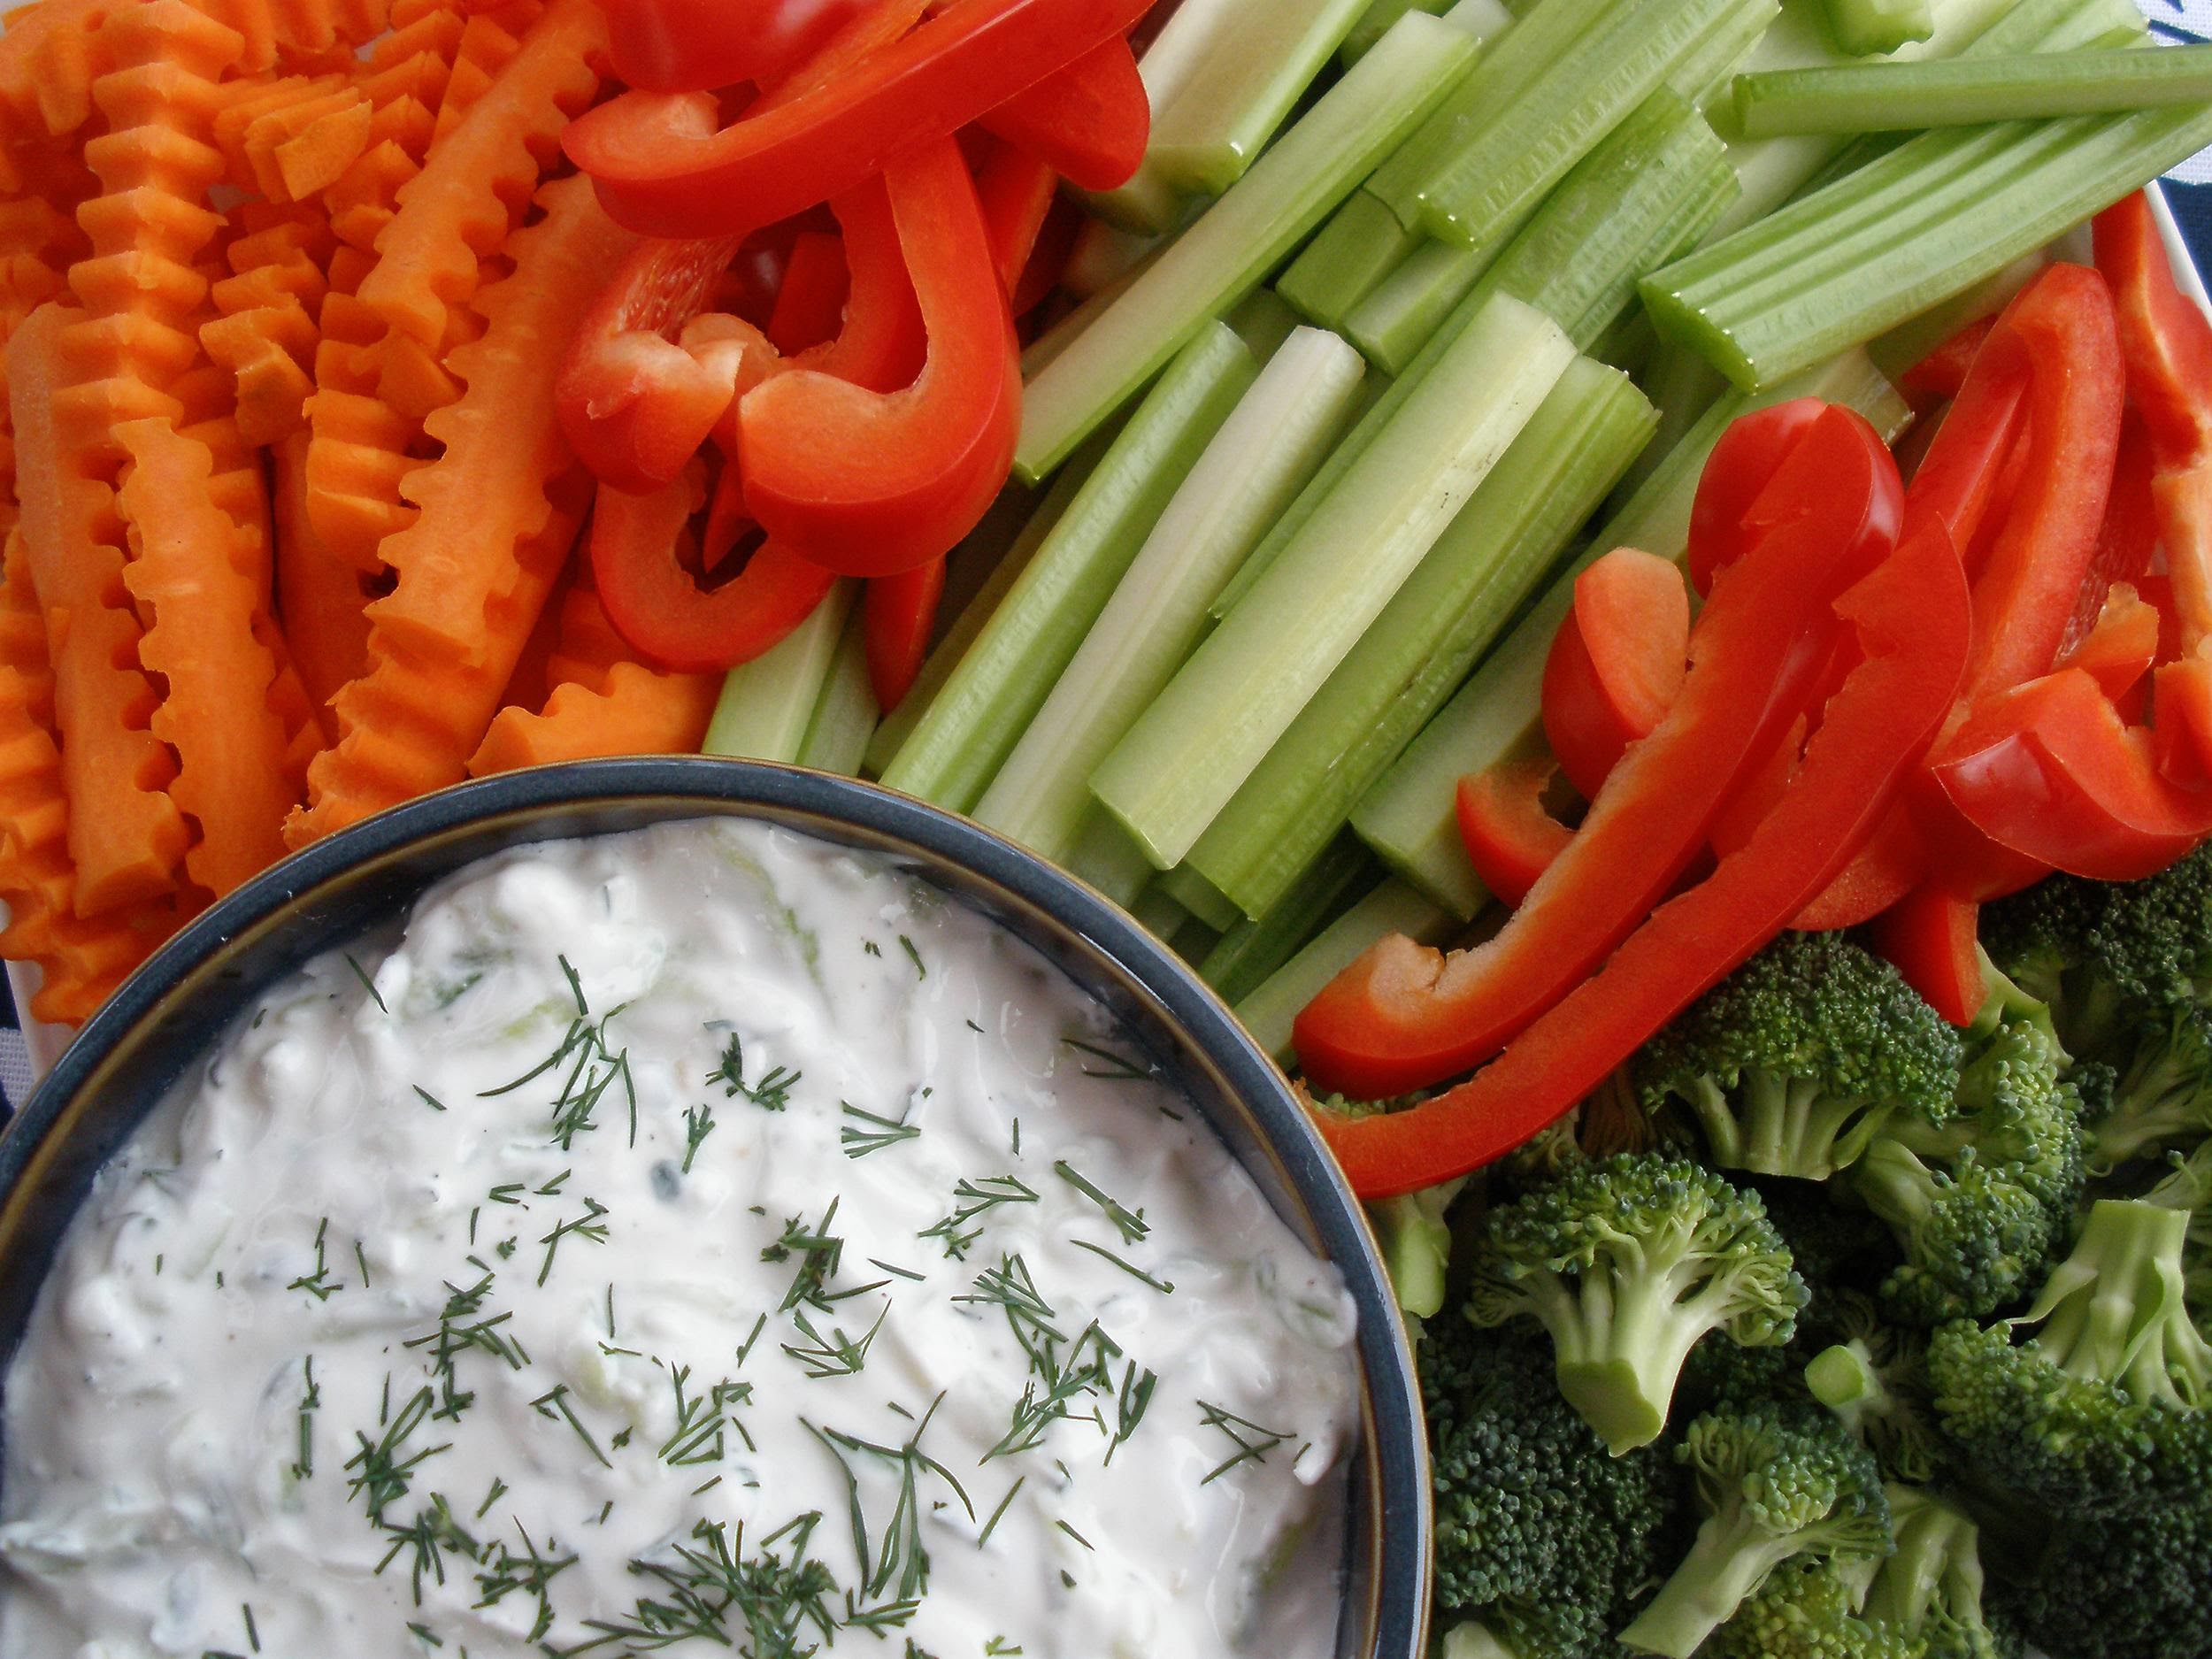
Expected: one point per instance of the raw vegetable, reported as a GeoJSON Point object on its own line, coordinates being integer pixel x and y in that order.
{"type": "Point", "coordinates": [1510, 836]}
{"type": "Point", "coordinates": [767, 705]}
{"type": "Point", "coordinates": [1616, 663]}
{"type": "Point", "coordinates": [1966, 92]}
{"type": "Point", "coordinates": [1389, 907]}
{"type": "Point", "coordinates": [1866, 27]}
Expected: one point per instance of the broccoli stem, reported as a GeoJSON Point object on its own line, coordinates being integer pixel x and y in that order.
{"type": "Point", "coordinates": [1796, 1125]}
{"type": "Point", "coordinates": [1729, 1561]}
{"type": "Point", "coordinates": [2115, 1309]}
{"type": "Point", "coordinates": [1938, 1551]}
{"type": "Point", "coordinates": [1621, 1347]}
{"type": "Point", "coordinates": [1896, 1185]}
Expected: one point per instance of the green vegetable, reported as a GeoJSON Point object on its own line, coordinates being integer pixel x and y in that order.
{"type": "Point", "coordinates": [1391, 908]}
{"type": "Point", "coordinates": [1360, 246]}
{"type": "Point", "coordinates": [1927, 1597]}
{"type": "Point", "coordinates": [1628, 1262]}
{"type": "Point", "coordinates": [1200, 897]}
{"type": "Point", "coordinates": [1194, 748]}
{"type": "Point", "coordinates": [1262, 454]}
{"type": "Point", "coordinates": [2187, 1187]}
{"type": "Point", "coordinates": [1798, 1059]}
{"type": "Point", "coordinates": [1907, 97]}
{"type": "Point", "coordinates": [1774, 1483]}
{"type": "Point", "coordinates": [2120, 1588]}
{"type": "Point", "coordinates": [1807, 1609]}
{"type": "Point", "coordinates": [845, 717]}
{"type": "Point", "coordinates": [1417, 1245]}
{"type": "Point", "coordinates": [1253, 949]}
{"type": "Point", "coordinates": [1003, 678]}
{"type": "Point", "coordinates": [1865, 27]}
{"type": "Point", "coordinates": [1106, 857]}
{"type": "Point", "coordinates": [1234, 246]}
{"type": "Point", "coordinates": [767, 704]}
{"type": "Point", "coordinates": [1497, 548]}
{"type": "Point", "coordinates": [1873, 1383]}
{"type": "Point", "coordinates": [1375, 22]}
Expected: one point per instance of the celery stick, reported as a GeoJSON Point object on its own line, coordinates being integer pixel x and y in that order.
{"type": "Point", "coordinates": [1911, 341]}
{"type": "Point", "coordinates": [768, 704]}
{"type": "Point", "coordinates": [1194, 748]}
{"type": "Point", "coordinates": [1248, 953]}
{"type": "Point", "coordinates": [1157, 912]}
{"type": "Point", "coordinates": [1702, 76]}
{"type": "Point", "coordinates": [1454, 606]}
{"type": "Point", "coordinates": [1277, 436]}
{"type": "Point", "coordinates": [1200, 897]}
{"type": "Point", "coordinates": [1376, 21]}
{"type": "Point", "coordinates": [1198, 31]}
{"type": "Point", "coordinates": [1193, 940]}
{"type": "Point", "coordinates": [1240, 238]}
{"type": "Point", "coordinates": [1968, 91]}
{"type": "Point", "coordinates": [1110, 861]}
{"type": "Point", "coordinates": [1262, 322]}
{"type": "Point", "coordinates": [845, 718]}
{"type": "Point", "coordinates": [1407, 818]}
{"type": "Point", "coordinates": [1360, 246]}
{"type": "Point", "coordinates": [1627, 343]}
{"type": "Point", "coordinates": [1933, 216]}
{"type": "Point", "coordinates": [1103, 255]}
{"type": "Point", "coordinates": [945, 655]}
{"type": "Point", "coordinates": [1393, 907]}
{"type": "Point", "coordinates": [1864, 28]}
{"type": "Point", "coordinates": [1208, 133]}
{"type": "Point", "coordinates": [999, 685]}
{"type": "Point", "coordinates": [1479, 193]}
{"type": "Point", "coordinates": [1659, 176]}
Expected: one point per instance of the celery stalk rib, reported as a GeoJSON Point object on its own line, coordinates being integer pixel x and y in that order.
{"type": "Point", "coordinates": [845, 718]}
{"type": "Point", "coordinates": [1004, 677]}
{"type": "Point", "coordinates": [1863, 27]}
{"type": "Point", "coordinates": [1360, 247]}
{"type": "Point", "coordinates": [1968, 91]}
{"type": "Point", "coordinates": [1393, 907]}
{"type": "Point", "coordinates": [1375, 22]}
{"type": "Point", "coordinates": [1263, 453]}
{"type": "Point", "coordinates": [767, 704]}
{"type": "Point", "coordinates": [1194, 748]}
{"type": "Point", "coordinates": [1247, 954]}
{"type": "Point", "coordinates": [1238, 242]}
{"type": "Point", "coordinates": [1201, 898]}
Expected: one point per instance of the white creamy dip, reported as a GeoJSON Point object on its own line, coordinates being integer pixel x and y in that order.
{"type": "Point", "coordinates": [697, 1239]}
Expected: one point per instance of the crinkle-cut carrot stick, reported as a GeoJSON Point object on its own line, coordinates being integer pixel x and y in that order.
{"type": "Point", "coordinates": [266, 336]}
{"type": "Point", "coordinates": [50, 173]}
{"type": "Point", "coordinates": [639, 710]}
{"type": "Point", "coordinates": [186, 573]}
{"type": "Point", "coordinates": [297, 152]}
{"type": "Point", "coordinates": [50, 56]}
{"type": "Point", "coordinates": [80, 962]}
{"type": "Point", "coordinates": [242, 102]}
{"type": "Point", "coordinates": [473, 570]}
{"type": "Point", "coordinates": [292, 32]}
{"type": "Point", "coordinates": [126, 835]}
{"type": "Point", "coordinates": [587, 645]}
{"type": "Point", "coordinates": [489, 42]}
{"type": "Point", "coordinates": [319, 598]}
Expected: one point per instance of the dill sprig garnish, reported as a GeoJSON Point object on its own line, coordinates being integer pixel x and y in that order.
{"type": "Point", "coordinates": [1129, 1409]}
{"type": "Point", "coordinates": [430, 1535]}
{"type": "Point", "coordinates": [459, 1330]}
{"type": "Point", "coordinates": [593, 1071]}
{"type": "Point", "coordinates": [700, 1420]}
{"type": "Point", "coordinates": [367, 984]}
{"type": "Point", "coordinates": [428, 1099]}
{"type": "Point", "coordinates": [972, 1199]}
{"type": "Point", "coordinates": [1166, 1287]}
{"type": "Point", "coordinates": [914, 956]}
{"type": "Point", "coordinates": [771, 1094]}
{"type": "Point", "coordinates": [383, 1475]}
{"type": "Point", "coordinates": [820, 1254]}
{"type": "Point", "coordinates": [318, 1283]}
{"type": "Point", "coordinates": [553, 1403]}
{"type": "Point", "coordinates": [898, 1563]}
{"type": "Point", "coordinates": [505, 1573]}
{"type": "Point", "coordinates": [878, 1133]}
{"type": "Point", "coordinates": [1252, 1441]}
{"type": "Point", "coordinates": [765, 1605]}
{"type": "Point", "coordinates": [698, 1124]}
{"type": "Point", "coordinates": [587, 1225]}
{"type": "Point", "coordinates": [311, 1397]}
{"type": "Point", "coordinates": [1109, 1063]}
{"type": "Point", "coordinates": [1004, 1505]}
{"type": "Point", "coordinates": [835, 1355]}
{"type": "Point", "coordinates": [1061, 1372]}
{"type": "Point", "coordinates": [1129, 1223]}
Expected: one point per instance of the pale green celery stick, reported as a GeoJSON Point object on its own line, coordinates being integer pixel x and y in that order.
{"type": "Point", "coordinates": [1864, 29]}
{"type": "Point", "coordinates": [1194, 748]}
{"type": "Point", "coordinates": [1360, 246]}
{"type": "Point", "coordinates": [1911, 341]}
{"type": "Point", "coordinates": [1499, 550]}
{"type": "Point", "coordinates": [1391, 907]}
{"type": "Point", "coordinates": [1157, 912]}
{"type": "Point", "coordinates": [1682, 385]}
{"type": "Point", "coordinates": [768, 704]}
{"type": "Point", "coordinates": [1280, 431]}
{"type": "Point", "coordinates": [1251, 951]}
{"type": "Point", "coordinates": [1200, 897]}
{"type": "Point", "coordinates": [1933, 216]}
{"type": "Point", "coordinates": [845, 719]}
{"type": "Point", "coordinates": [1968, 91]}
{"type": "Point", "coordinates": [945, 655]}
{"type": "Point", "coordinates": [1702, 77]}
{"type": "Point", "coordinates": [1198, 31]}
{"type": "Point", "coordinates": [1658, 178]}
{"type": "Point", "coordinates": [999, 685]}
{"type": "Point", "coordinates": [1233, 246]}
{"type": "Point", "coordinates": [1379, 15]}
{"type": "Point", "coordinates": [1193, 940]}
{"type": "Point", "coordinates": [1407, 818]}
{"type": "Point", "coordinates": [1208, 133]}
{"type": "Point", "coordinates": [1110, 861]}
{"type": "Point", "coordinates": [1628, 344]}
{"type": "Point", "coordinates": [1479, 195]}
{"type": "Point", "coordinates": [1103, 255]}
{"type": "Point", "coordinates": [1262, 322]}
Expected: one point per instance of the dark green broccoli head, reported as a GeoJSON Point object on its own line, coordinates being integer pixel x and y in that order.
{"type": "Point", "coordinates": [1793, 1062]}
{"type": "Point", "coordinates": [1774, 1483]}
{"type": "Point", "coordinates": [1628, 1262]}
{"type": "Point", "coordinates": [1538, 1529]}
{"type": "Point", "coordinates": [2120, 1587]}
{"type": "Point", "coordinates": [1806, 1610]}
{"type": "Point", "coordinates": [2048, 942]}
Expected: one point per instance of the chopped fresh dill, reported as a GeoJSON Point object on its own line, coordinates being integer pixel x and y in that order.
{"type": "Point", "coordinates": [1004, 1505]}
{"type": "Point", "coordinates": [462, 1325]}
{"type": "Point", "coordinates": [700, 1420]}
{"type": "Point", "coordinates": [774, 1603]}
{"type": "Point", "coordinates": [367, 984]}
{"type": "Point", "coordinates": [1109, 1063]}
{"type": "Point", "coordinates": [898, 1563]}
{"type": "Point", "coordinates": [361, 1261]}
{"type": "Point", "coordinates": [318, 1283]}
{"type": "Point", "coordinates": [1129, 1223]}
{"type": "Point", "coordinates": [893, 1268]}
{"type": "Point", "coordinates": [1252, 1441]}
{"type": "Point", "coordinates": [311, 1397]}
{"type": "Point", "coordinates": [383, 1475]}
{"type": "Point", "coordinates": [430, 1535]}
{"type": "Point", "coordinates": [503, 1573]}
{"type": "Point", "coordinates": [1077, 1536]}
{"type": "Point", "coordinates": [1164, 1286]}
{"type": "Point", "coordinates": [914, 956]}
{"type": "Point", "coordinates": [1136, 1397]}
{"type": "Point", "coordinates": [878, 1134]}
{"type": "Point", "coordinates": [253, 1636]}
{"type": "Point", "coordinates": [498, 1489]}
{"type": "Point", "coordinates": [553, 1403]}
{"type": "Point", "coordinates": [698, 1124]}
{"type": "Point", "coordinates": [972, 1199]}
{"type": "Point", "coordinates": [587, 1225]}
{"type": "Point", "coordinates": [429, 1100]}
{"type": "Point", "coordinates": [835, 1355]}
{"type": "Point", "coordinates": [771, 1094]}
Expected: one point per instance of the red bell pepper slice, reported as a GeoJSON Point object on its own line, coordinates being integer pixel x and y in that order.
{"type": "Point", "coordinates": [810, 303]}
{"type": "Point", "coordinates": [2120, 649]}
{"type": "Point", "coordinates": [1510, 838]}
{"type": "Point", "coordinates": [1738, 468]}
{"type": "Point", "coordinates": [2167, 339]}
{"type": "Point", "coordinates": [691, 45]}
{"type": "Point", "coordinates": [1929, 937]}
{"type": "Point", "coordinates": [1089, 122]}
{"type": "Point", "coordinates": [937, 452]}
{"type": "Point", "coordinates": [1910, 620]}
{"type": "Point", "coordinates": [638, 549]}
{"type": "Point", "coordinates": [666, 165]}
{"type": "Point", "coordinates": [2129, 539]}
{"type": "Point", "coordinates": [1616, 665]}
{"type": "Point", "coordinates": [896, 616]}
{"type": "Point", "coordinates": [1404, 1016]}
{"type": "Point", "coordinates": [1017, 192]}
{"type": "Point", "coordinates": [1048, 258]}
{"type": "Point", "coordinates": [1941, 374]}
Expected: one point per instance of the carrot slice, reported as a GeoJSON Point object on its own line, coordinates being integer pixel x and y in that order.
{"type": "Point", "coordinates": [319, 596]}
{"type": "Point", "coordinates": [474, 569]}
{"type": "Point", "coordinates": [266, 336]}
{"type": "Point", "coordinates": [49, 57]}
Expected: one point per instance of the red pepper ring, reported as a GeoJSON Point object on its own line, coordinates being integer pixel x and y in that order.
{"type": "Point", "coordinates": [692, 45]}
{"type": "Point", "coordinates": [667, 167]}
{"type": "Point", "coordinates": [1910, 618]}
{"type": "Point", "coordinates": [896, 616]}
{"type": "Point", "coordinates": [1510, 836]}
{"type": "Point", "coordinates": [935, 454]}
{"type": "Point", "coordinates": [1748, 455]}
{"type": "Point", "coordinates": [637, 546]}
{"type": "Point", "coordinates": [1089, 122]}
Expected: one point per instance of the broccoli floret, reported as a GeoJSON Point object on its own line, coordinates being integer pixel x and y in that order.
{"type": "Point", "coordinates": [1538, 1532]}
{"type": "Point", "coordinates": [1874, 1382]}
{"type": "Point", "coordinates": [2187, 1187]}
{"type": "Point", "coordinates": [2121, 1587]}
{"type": "Point", "coordinates": [1628, 1262]}
{"type": "Point", "coordinates": [2098, 1410]}
{"type": "Point", "coordinates": [1927, 1597]}
{"type": "Point", "coordinates": [1980, 1204]}
{"type": "Point", "coordinates": [1806, 1610]}
{"type": "Point", "coordinates": [2161, 1097]}
{"type": "Point", "coordinates": [1774, 1483]}
{"type": "Point", "coordinates": [1417, 1245]}
{"type": "Point", "coordinates": [1792, 1063]}
{"type": "Point", "coordinates": [2048, 942]}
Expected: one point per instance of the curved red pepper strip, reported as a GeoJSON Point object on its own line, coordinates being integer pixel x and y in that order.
{"type": "Point", "coordinates": [2167, 339]}
{"type": "Point", "coordinates": [1089, 122]}
{"type": "Point", "coordinates": [637, 544]}
{"type": "Point", "coordinates": [1738, 468]}
{"type": "Point", "coordinates": [2119, 650]}
{"type": "Point", "coordinates": [1910, 620]}
{"type": "Point", "coordinates": [1048, 258]}
{"type": "Point", "coordinates": [2129, 539]}
{"type": "Point", "coordinates": [896, 616]}
{"type": "Point", "coordinates": [1929, 937]}
{"type": "Point", "coordinates": [1616, 664]}
{"type": "Point", "coordinates": [1510, 838]}
{"type": "Point", "coordinates": [692, 45]}
{"type": "Point", "coordinates": [937, 452]}
{"type": "Point", "coordinates": [1017, 192]}
{"type": "Point", "coordinates": [1941, 374]}
{"type": "Point", "coordinates": [666, 166]}
{"type": "Point", "coordinates": [810, 301]}
{"type": "Point", "coordinates": [1404, 1016]}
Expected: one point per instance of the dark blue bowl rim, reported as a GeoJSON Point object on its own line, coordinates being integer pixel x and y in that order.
{"type": "Point", "coordinates": [1398, 1444]}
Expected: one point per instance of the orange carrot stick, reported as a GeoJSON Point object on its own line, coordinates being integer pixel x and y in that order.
{"type": "Point", "coordinates": [49, 57]}
{"type": "Point", "coordinates": [640, 710]}
{"type": "Point", "coordinates": [319, 596]}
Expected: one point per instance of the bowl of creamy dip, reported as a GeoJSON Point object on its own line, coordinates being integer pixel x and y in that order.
{"type": "Point", "coordinates": [681, 1206]}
